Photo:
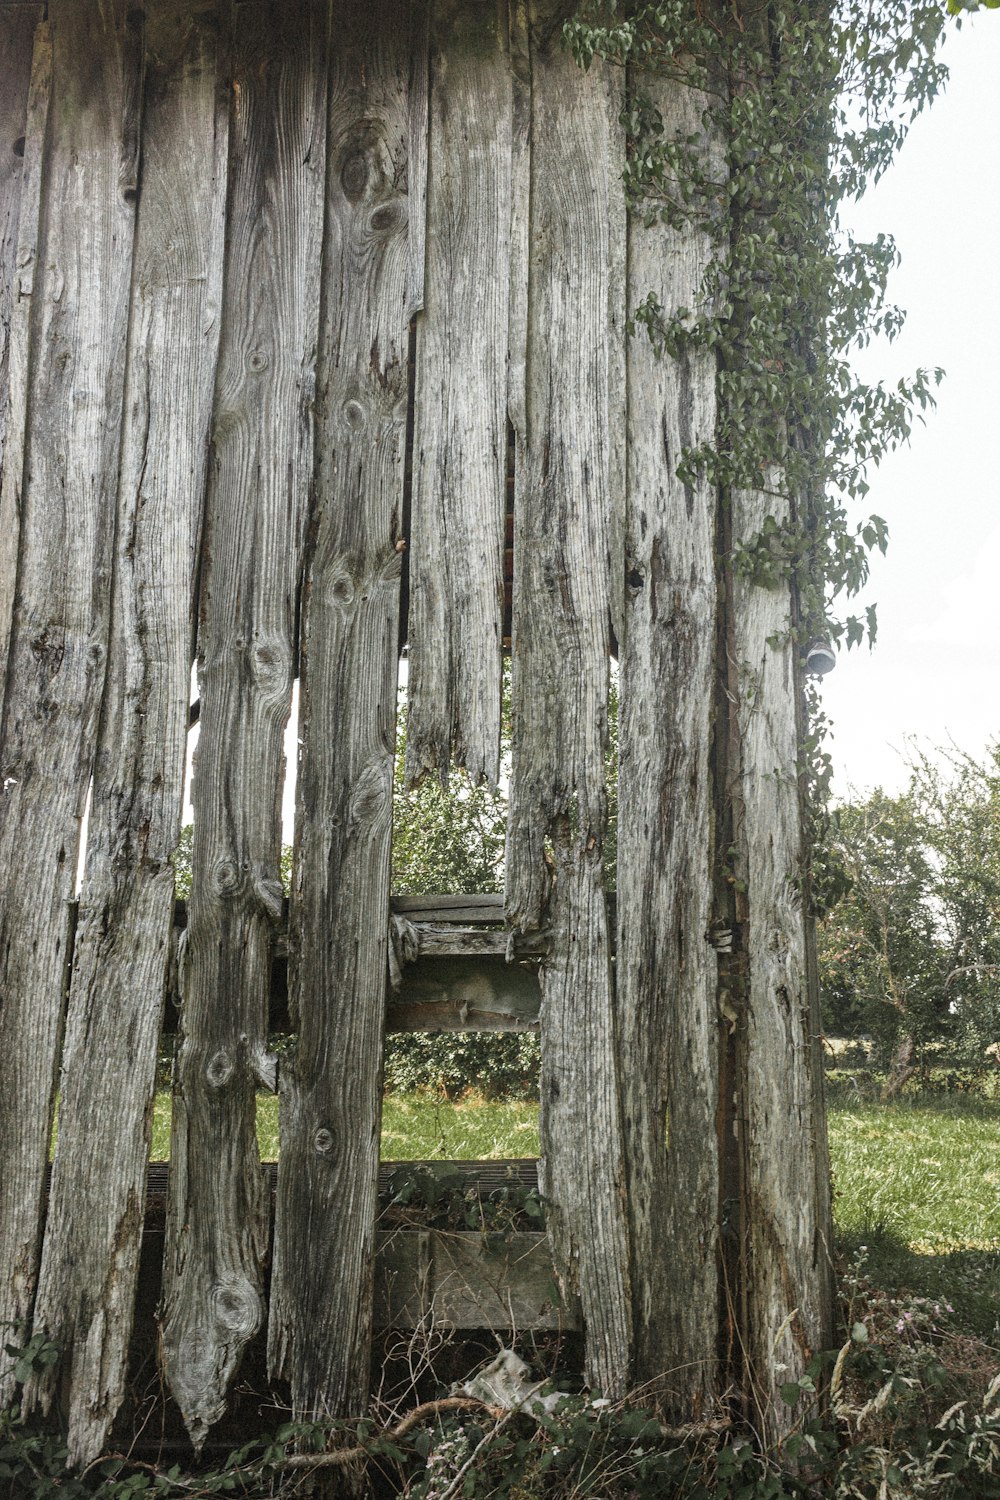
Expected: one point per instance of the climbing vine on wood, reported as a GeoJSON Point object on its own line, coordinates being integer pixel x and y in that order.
{"type": "Point", "coordinates": [808, 105]}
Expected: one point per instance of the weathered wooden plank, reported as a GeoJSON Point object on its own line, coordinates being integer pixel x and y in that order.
{"type": "Point", "coordinates": [786, 1246]}
{"type": "Point", "coordinates": [562, 594]}
{"type": "Point", "coordinates": [458, 908]}
{"type": "Point", "coordinates": [331, 1087]}
{"type": "Point", "coordinates": [460, 419]}
{"type": "Point", "coordinates": [417, 163]}
{"type": "Point", "coordinates": [23, 108]}
{"type": "Point", "coordinates": [122, 945]}
{"type": "Point", "coordinates": [255, 518]}
{"type": "Point", "coordinates": [501, 1281]}
{"type": "Point", "coordinates": [666, 969]}
{"type": "Point", "coordinates": [459, 994]}
{"type": "Point", "coordinates": [433, 941]}
{"type": "Point", "coordinates": [60, 623]}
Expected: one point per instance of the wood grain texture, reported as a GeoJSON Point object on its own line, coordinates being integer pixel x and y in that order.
{"type": "Point", "coordinates": [666, 969]}
{"type": "Point", "coordinates": [255, 518]}
{"type": "Point", "coordinates": [331, 1086]}
{"type": "Point", "coordinates": [417, 159]}
{"type": "Point", "coordinates": [561, 602]}
{"type": "Point", "coordinates": [23, 109]}
{"type": "Point", "coordinates": [786, 1254]}
{"type": "Point", "coordinates": [460, 418]}
{"type": "Point", "coordinates": [61, 617]}
{"type": "Point", "coordinates": [124, 930]}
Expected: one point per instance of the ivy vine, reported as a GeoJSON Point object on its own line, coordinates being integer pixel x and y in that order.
{"type": "Point", "coordinates": [805, 105]}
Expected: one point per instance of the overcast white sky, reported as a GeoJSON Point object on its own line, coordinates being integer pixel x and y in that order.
{"type": "Point", "coordinates": [935, 671]}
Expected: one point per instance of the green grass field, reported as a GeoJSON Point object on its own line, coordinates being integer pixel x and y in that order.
{"type": "Point", "coordinates": [917, 1182]}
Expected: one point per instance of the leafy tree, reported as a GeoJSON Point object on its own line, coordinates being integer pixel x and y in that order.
{"type": "Point", "coordinates": [959, 804]}
{"type": "Point", "coordinates": [882, 962]}
{"type": "Point", "coordinates": [911, 954]}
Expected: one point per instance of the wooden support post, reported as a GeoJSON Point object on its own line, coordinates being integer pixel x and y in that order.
{"type": "Point", "coordinates": [331, 1088]}
{"type": "Point", "coordinates": [460, 417]}
{"type": "Point", "coordinates": [59, 634]}
{"type": "Point", "coordinates": [124, 931]}
{"type": "Point", "coordinates": [785, 1209]}
{"type": "Point", "coordinates": [217, 1238]}
{"type": "Point", "coordinates": [666, 968]}
{"type": "Point", "coordinates": [26, 48]}
{"type": "Point", "coordinates": [562, 599]}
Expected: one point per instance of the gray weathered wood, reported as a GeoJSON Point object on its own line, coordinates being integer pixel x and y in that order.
{"type": "Point", "coordinates": [331, 1086]}
{"type": "Point", "coordinates": [460, 424]}
{"type": "Point", "coordinates": [124, 931]}
{"type": "Point", "coordinates": [416, 166]}
{"type": "Point", "coordinates": [666, 969]}
{"type": "Point", "coordinates": [23, 108]}
{"type": "Point", "coordinates": [467, 1280]}
{"type": "Point", "coordinates": [787, 1319]}
{"type": "Point", "coordinates": [458, 908]}
{"type": "Point", "coordinates": [562, 594]}
{"type": "Point", "coordinates": [60, 623]}
{"type": "Point", "coordinates": [256, 511]}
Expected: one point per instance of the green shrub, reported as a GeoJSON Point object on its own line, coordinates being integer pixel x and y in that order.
{"type": "Point", "coordinates": [497, 1065]}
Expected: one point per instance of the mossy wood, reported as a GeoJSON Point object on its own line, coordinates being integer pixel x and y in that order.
{"type": "Point", "coordinates": [282, 289]}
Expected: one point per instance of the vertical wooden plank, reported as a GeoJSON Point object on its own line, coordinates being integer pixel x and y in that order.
{"type": "Point", "coordinates": [460, 426]}
{"type": "Point", "coordinates": [217, 1231]}
{"type": "Point", "coordinates": [331, 1088]}
{"type": "Point", "coordinates": [562, 593]}
{"type": "Point", "coordinates": [416, 170]}
{"type": "Point", "coordinates": [785, 1246]}
{"type": "Point", "coordinates": [60, 623]}
{"type": "Point", "coordinates": [124, 931]}
{"type": "Point", "coordinates": [666, 968]}
{"type": "Point", "coordinates": [23, 110]}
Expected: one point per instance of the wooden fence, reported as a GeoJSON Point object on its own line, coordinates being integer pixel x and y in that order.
{"type": "Point", "coordinates": [278, 283]}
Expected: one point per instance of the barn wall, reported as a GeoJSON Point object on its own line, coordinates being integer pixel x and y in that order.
{"type": "Point", "coordinates": [304, 308]}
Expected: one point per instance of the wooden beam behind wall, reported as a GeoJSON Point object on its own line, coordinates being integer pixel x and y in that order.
{"type": "Point", "coordinates": [59, 635]}
{"type": "Point", "coordinates": [262, 448]}
{"type": "Point", "coordinates": [331, 1090]}
{"type": "Point", "coordinates": [124, 933]}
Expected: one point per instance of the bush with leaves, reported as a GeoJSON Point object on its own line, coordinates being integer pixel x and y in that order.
{"type": "Point", "coordinates": [910, 955]}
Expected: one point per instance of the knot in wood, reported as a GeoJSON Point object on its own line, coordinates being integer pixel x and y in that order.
{"type": "Point", "coordinates": [270, 665]}
{"type": "Point", "coordinates": [354, 415]}
{"type": "Point", "coordinates": [387, 218]}
{"type": "Point", "coordinates": [226, 877]}
{"type": "Point", "coordinates": [354, 175]}
{"type": "Point", "coordinates": [257, 360]}
{"type": "Point", "coordinates": [220, 1068]}
{"type": "Point", "coordinates": [342, 590]}
{"type": "Point", "coordinates": [236, 1307]}
{"type": "Point", "coordinates": [324, 1141]}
